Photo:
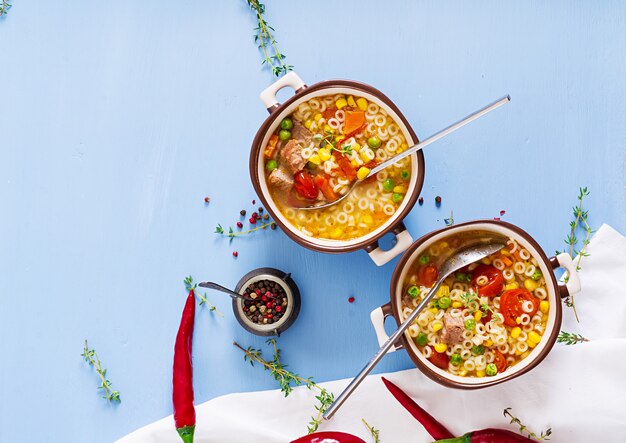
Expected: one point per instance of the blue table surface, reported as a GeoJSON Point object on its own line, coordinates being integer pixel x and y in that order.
{"type": "Point", "coordinates": [117, 118]}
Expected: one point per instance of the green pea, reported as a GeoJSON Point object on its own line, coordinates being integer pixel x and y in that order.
{"type": "Point", "coordinates": [286, 124]}
{"type": "Point", "coordinates": [271, 165]}
{"type": "Point", "coordinates": [405, 175]}
{"type": "Point", "coordinates": [397, 198]}
{"type": "Point", "coordinates": [374, 142]}
{"type": "Point", "coordinates": [478, 350]}
{"type": "Point", "coordinates": [421, 339]}
{"type": "Point", "coordinates": [413, 291]}
{"type": "Point", "coordinates": [463, 277]}
{"type": "Point", "coordinates": [435, 303]}
{"type": "Point", "coordinates": [456, 359]}
{"type": "Point", "coordinates": [284, 134]}
{"type": "Point", "coordinates": [536, 275]}
{"type": "Point", "coordinates": [491, 369]}
{"type": "Point", "coordinates": [445, 302]}
{"type": "Point", "coordinates": [424, 259]}
{"type": "Point", "coordinates": [388, 185]}
{"type": "Point", "coordinates": [470, 324]}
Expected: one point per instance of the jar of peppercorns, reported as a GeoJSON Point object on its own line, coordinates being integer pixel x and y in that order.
{"type": "Point", "coordinates": [272, 301]}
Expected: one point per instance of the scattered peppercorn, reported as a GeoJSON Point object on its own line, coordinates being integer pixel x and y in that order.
{"type": "Point", "coordinates": [438, 201]}
{"type": "Point", "coordinates": [239, 225]}
{"type": "Point", "coordinates": [255, 215]}
{"type": "Point", "coordinates": [260, 210]}
{"type": "Point", "coordinates": [351, 300]}
{"type": "Point", "coordinates": [502, 212]}
{"type": "Point", "coordinates": [421, 201]}
{"type": "Point", "coordinates": [242, 212]}
{"type": "Point", "coordinates": [207, 200]}
{"type": "Point", "coordinates": [235, 254]}
{"type": "Point", "coordinates": [266, 217]}
{"type": "Point", "coordinates": [254, 202]}
{"type": "Point", "coordinates": [496, 218]}
{"type": "Point", "coordinates": [273, 226]}
{"type": "Point", "coordinates": [252, 220]}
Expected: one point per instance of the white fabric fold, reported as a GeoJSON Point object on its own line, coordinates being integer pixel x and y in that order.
{"type": "Point", "coordinates": [579, 391]}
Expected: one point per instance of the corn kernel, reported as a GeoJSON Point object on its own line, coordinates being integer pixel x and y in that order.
{"type": "Point", "coordinates": [530, 284]}
{"type": "Point", "coordinates": [399, 189]}
{"type": "Point", "coordinates": [362, 172]}
{"type": "Point", "coordinates": [441, 347]}
{"type": "Point", "coordinates": [367, 219]}
{"type": "Point", "coordinates": [308, 123]}
{"type": "Point", "coordinates": [518, 352]}
{"type": "Point", "coordinates": [404, 146]}
{"type": "Point", "coordinates": [434, 310]}
{"type": "Point", "coordinates": [317, 116]}
{"type": "Point", "coordinates": [336, 233]}
{"type": "Point", "coordinates": [328, 129]}
{"type": "Point", "coordinates": [478, 315]}
{"type": "Point", "coordinates": [437, 326]}
{"type": "Point", "coordinates": [361, 103]}
{"type": "Point", "coordinates": [339, 138]}
{"type": "Point", "coordinates": [480, 373]}
{"type": "Point", "coordinates": [518, 320]}
{"type": "Point", "coordinates": [444, 245]}
{"type": "Point", "coordinates": [457, 304]}
{"type": "Point", "coordinates": [399, 150]}
{"type": "Point", "coordinates": [366, 155]}
{"type": "Point", "coordinates": [534, 337]}
{"type": "Point", "coordinates": [486, 261]}
{"type": "Point", "coordinates": [463, 372]}
{"type": "Point", "coordinates": [516, 331]}
{"type": "Point", "coordinates": [354, 163]}
{"type": "Point", "coordinates": [511, 286]}
{"type": "Point", "coordinates": [488, 343]}
{"type": "Point", "coordinates": [544, 306]}
{"type": "Point", "coordinates": [341, 103]}
{"type": "Point", "coordinates": [530, 343]}
{"type": "Point", "coordinates": [356, 147]}
{"type": "Point", "coordinates": [324, 154]}
{"type": "Point", "coordinates": [315, 159]}
{"type": "Point", "coordinates": [351, 101]}
{"type": "Point", "coordinates": [444, 290]}
{"type": "Point", "coordinates": [504, 251]}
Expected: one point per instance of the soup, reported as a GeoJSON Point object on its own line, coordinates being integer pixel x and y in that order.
{"type": "Point", "coordinates": [320, 150]}
{"type": "Point", "coordinates": [485, 318]}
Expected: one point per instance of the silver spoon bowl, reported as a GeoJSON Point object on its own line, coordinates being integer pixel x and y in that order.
{"type": "Point", "coordinates": [451, 265]}
{"type": "Point", "coordinates": [413, 149]}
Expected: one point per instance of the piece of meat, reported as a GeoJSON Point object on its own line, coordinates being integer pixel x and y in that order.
{"type": "Point", "coordinates": [452, 331]}
{"type": "Point", "coordinates": [280, 179]}
{"type": "Point", "coordinates": [291, 156]}
{"type": "Point", "coordinates": [300, 133]}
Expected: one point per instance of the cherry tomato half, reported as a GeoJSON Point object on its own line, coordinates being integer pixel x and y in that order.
{"type": "Point", "coordinates": [440, 360]}
{"type": "Point", "coordinates": [427, 275]}
{"type": "Point", "coordinates": [499, 361]}
{"type": "Point", "coordinates": [495, 280]}
{"type": "Point", "coordinates": [511, 302]}
{"type": "Point", "coordinates": [305, 186]}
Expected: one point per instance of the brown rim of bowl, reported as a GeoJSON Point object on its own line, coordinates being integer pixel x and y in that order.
{"type": "Point", "coordinates": [550, 264]}
{"type": "Point", "coordinates": [257, 150]}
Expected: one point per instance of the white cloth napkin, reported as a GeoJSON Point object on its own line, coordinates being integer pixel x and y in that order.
{"type": "Point", "coordinates": [579, 391]}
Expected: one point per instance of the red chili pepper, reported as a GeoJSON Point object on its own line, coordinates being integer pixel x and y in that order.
{"type": "Point", "coordinates": [432, 426]}
{"type": "Point", "coordinates": [488, 435]}
{"type": "Point", "coordinates": [182, 380]}
{"type": "Point", "coordinates": [329, 437]}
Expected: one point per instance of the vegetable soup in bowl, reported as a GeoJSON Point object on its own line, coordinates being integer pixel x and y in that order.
{"type": "Point", "coordinates": [489, 322]}
{"type": "Point", "coordinates": [315, 146]}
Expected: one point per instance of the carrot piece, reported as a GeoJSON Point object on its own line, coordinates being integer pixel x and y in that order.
{"type": "Point", "coordinates": [321, 180]}
{"type": "Point", "coordinates": [354, 120]}
{"type": "Point", "coordinates": [270, 149]}
{"type": "Point", "coordinates": [345, 165]}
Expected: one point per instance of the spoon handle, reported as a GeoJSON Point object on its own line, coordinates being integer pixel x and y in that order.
{"type": "Point", "coordinates": [440, 134]}
{"type": "Point", "coordinates": [212, 285]}
{"type": "Point", "coordinates": [356, 381]}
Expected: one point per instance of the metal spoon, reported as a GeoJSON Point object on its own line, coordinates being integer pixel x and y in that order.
{"type": "Point", "coordinates": [452, 264]}
{"type": "Point", "coordinates": [211, 285]}
{"type": "Point", "coordinates": [415, 148]}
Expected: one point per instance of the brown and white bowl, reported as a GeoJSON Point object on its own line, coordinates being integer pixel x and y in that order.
{"type": "Point", "coordinates": [279, 111]}
{"type": "Point", "coordinates": [556, 291]}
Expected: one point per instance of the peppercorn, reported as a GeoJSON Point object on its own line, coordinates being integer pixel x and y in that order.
{"type": "Point", "coordinates": [502, 212]}
{"type": "Point", "coordinates": [207, 200]}
{"type": "Point", "coordinates": [242, 212]}
{"type": "Point", "coordinates": [438, 201]}
{"type": "Point", "coordinates": [255, 215]}
{"type": "Point", "coordinates": [254, 202]}
{"type": "Point", "coordinates": [252, 220]}
{"type": "Point", "coordinates": [239, 225]}
{"type": "Point", "coordinates": [279, 308]}
{"type": "Point", "coordinates": [351, 300]}
{"type": "Point", "coordinates": [266, 217]}
{"type": "Point", "coordinates": [273, 226]}
{"type": "Point", "coordinates": [421, 201]}
{"type": "Point", "coordinates": [260, 210]}
{"type": "Point", "coordinates": [235, 254]}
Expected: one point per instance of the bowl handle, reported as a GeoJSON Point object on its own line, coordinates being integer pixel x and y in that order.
{"type": "Point", "coordinates": [403, 241]}
{"type": "Point", "coordinates": [572, 284]}
{"type": "Point", "coordinates": [268, 96]}
{"type": "Point", "coordinates": [378, 317]}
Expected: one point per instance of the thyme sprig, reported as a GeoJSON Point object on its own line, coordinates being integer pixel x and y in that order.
{"type": "Point", "coordinates": [4, 7]}
{"type": "Point", "coordinates": [287, 379]}
{"type": "Point", "coordinates": [375, 432]}
{"type": "Point", "coordinates": [580, 222]}
{"type": "Point", "coordinates": [569, 338]}
{"type": "Point", "coordinates": [266, 42]}
{"type": "Point", "coordinates": [523, 429]}
{"type": "Point", "coordinates": [92, 358]}
{"type": "Point", "coordinates": [189, 285]}
{"type": "Point", "coordinates": [470, 300]}
{"type": "Point", "coordinates": [231, 233]}
{"type": "Point", "coordinates": [449, 221]}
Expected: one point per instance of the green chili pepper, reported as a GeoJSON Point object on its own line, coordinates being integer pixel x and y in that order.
{"type": "Point", "coordinates": [413, 291]}
{"type": "Point", "coordinates": [536, 275]}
